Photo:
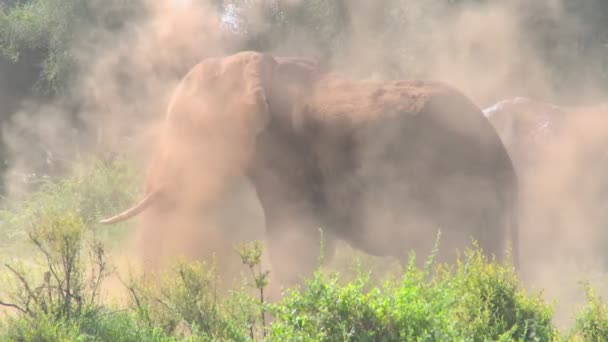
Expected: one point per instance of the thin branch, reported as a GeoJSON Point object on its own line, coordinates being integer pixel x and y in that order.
{"type": "Point", "coordinates": [15, 306]}
{"type": "Point", "coordinates": [133, 292]}
{"type": "Point", "coordinates": [24, 282]}
{"type": "Point", "coordinates": [48, 257]}
{"type": "Point", "coordinates": [68, 264]}
{"type": "Point", "coordinates": [97, 253]}
{"type": "Point", "coordinates": [182, 275]}
{"type": "Point", "coordinates": [160, 301]}
{"type": "Point", "coordinates": [263, 312]}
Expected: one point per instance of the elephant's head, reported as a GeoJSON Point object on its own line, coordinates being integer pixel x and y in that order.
{"type": "Point", "coordinates": [213, 119]}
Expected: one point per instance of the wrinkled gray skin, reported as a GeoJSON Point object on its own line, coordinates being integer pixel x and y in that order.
{"type": "Point", "coordinates": [380, 165]}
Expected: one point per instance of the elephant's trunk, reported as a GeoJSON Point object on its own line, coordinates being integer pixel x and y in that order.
{"type": "Point", "coordinates": [136, 209]}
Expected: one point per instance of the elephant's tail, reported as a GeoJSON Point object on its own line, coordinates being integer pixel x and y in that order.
{"type": "Point", "coordinates": [514, 230]}
{"type": "Point", "coordinates": [513, 219]}
{"type": "Point", "coordinates": [134, 210]}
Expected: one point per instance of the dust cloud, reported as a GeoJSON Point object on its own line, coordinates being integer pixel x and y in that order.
{"type": "Point", "coordinates": [484, 50]}
{"type": "Point", "coordinates": [119, 103]}
{"type": "Point", "coordinates": [132, 83]}
{"type": "Point", "coordinates": [560, 155]}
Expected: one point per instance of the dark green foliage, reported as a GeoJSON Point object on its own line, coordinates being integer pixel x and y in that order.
{"type": "Point", "coordinates": [47, 31]}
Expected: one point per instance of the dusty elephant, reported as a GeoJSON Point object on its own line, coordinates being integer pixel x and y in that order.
{"type": "Point", "coordinates": [380, 165]}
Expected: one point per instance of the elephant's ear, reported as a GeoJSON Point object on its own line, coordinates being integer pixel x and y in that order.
{"type": "Point", "coordinates": [257, 76]}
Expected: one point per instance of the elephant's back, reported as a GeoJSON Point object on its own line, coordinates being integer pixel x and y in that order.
{"type": "Point", "coordinates": [428, 122]}
{"type": "Point", "coordinates": [464, 134]}
{"type": "Point", "coordinates": [408, 148]}
{"type": "Point", "coordinates": [349, 103]}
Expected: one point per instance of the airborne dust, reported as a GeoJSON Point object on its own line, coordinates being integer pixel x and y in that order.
{"type": "Point", "coordinates": [484, 51]}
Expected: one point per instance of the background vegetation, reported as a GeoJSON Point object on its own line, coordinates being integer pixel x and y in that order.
{"type": "Point", "coordinates": [38, 36]}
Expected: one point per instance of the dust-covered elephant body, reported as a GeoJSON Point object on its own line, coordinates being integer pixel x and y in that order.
{"type": "Point", "coordinates": [383, 166]}
{"type": "Point", "coordinates": [380, 165]}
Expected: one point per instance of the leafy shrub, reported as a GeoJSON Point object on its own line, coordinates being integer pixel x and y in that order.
{"type": "Point", "coordinates": [100, 325]}
{"type": "Point", "coordinates": [63, 291]}
{"type": "Point", "coordinates": [478, 301]}
{"type": "Point", "coordinates": [53, 295]}
{"type": "Point", "coordinates": [117, 325]}
{"type": "Point", "coordinates": [56, 294]}
{"type": "Point", "coordinates": [185, 300]}
{"type": "Point", "coordinates": [44, 328]}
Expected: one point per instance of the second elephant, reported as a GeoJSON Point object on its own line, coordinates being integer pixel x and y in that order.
{"type": "Point", "coordinates": [380, 165]}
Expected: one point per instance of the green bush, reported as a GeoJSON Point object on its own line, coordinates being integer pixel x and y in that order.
{"type": "Point", "coordinates": [44, 328]}
{"type": "Point", "coordinates": [101, 325]}
{"type": "Point", "coordinates": [56, 290]}
{"type": "Point", "coordinates": [478, 301]}
{"type": "Point", "coordinates": [186, 300]}
{"type": "Point", "coordinates": [189, 300]}
{"type": "Point", "coordinates": [592, 322]}
{"type": "Point", "coordinates": [61, 288]}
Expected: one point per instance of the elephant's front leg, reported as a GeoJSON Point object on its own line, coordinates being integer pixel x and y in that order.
{"type": "Point", "coordinates": [293, 237]}
{"type": "Point", "coordinates": [288, 187]}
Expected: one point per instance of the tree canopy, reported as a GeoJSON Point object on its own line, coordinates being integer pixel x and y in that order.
{"type": "Point", "coordinates": [38, 37]}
